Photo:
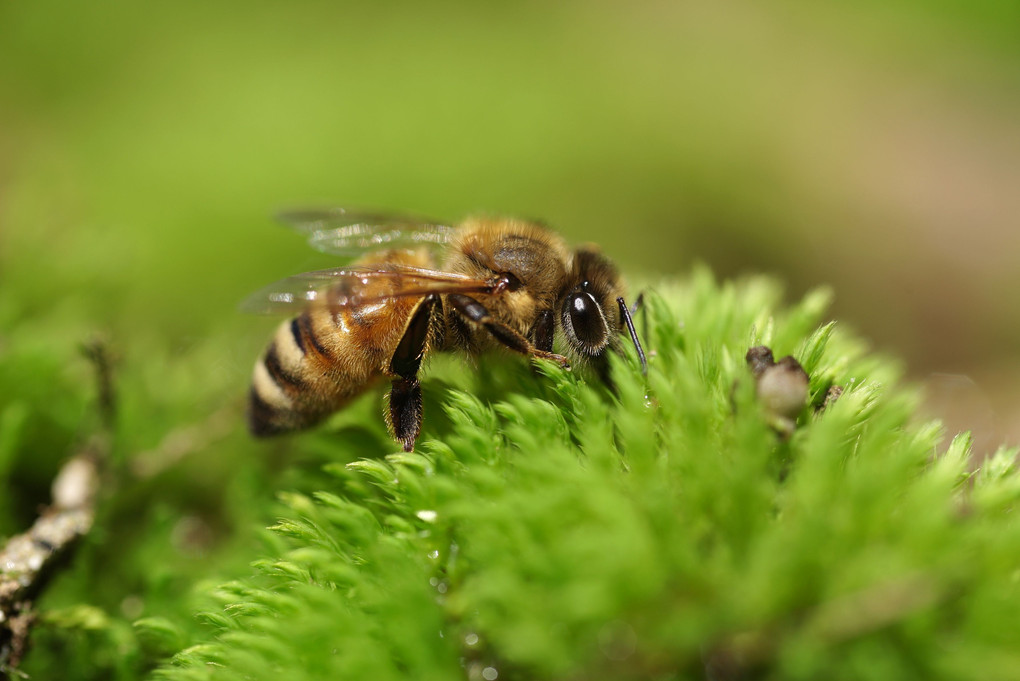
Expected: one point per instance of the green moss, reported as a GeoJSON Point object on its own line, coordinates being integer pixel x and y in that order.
{"type": "Point", "coordinates": [548, 529]}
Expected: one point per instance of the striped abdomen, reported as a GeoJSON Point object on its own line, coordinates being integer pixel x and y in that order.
{"type": "Point", "coordinates": [322, 359]}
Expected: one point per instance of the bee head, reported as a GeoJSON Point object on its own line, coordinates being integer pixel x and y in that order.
{"type": "Point", "coordinates": [584, 310]}
{"type": "Point", "coordinates": [592, 310]}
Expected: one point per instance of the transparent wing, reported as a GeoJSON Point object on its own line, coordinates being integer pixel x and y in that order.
{"type": "Point", "coordinates": [350, 233]}
{"type": "Point", "coordinates": [349, 286]}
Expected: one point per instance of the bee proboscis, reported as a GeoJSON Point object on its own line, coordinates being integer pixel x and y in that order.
{"type": "Point", "coordinates": [421, 287]}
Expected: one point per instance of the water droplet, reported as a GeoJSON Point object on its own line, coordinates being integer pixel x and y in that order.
{"type": "Point", "coordinates": [490, 674]}
{"type": "Point", "coordinates": [471, 639]}
{"type": "Point", "coordinates": [427, 516]}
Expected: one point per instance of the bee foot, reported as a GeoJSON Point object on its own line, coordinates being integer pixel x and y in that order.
{"type": "Point", "coordinates": [553, 357]}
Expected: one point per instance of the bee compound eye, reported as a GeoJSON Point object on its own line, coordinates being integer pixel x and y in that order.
{"type": "Point", "coordinates": [586, 321]}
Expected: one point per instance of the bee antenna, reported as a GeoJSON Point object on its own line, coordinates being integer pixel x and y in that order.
{"type": "Point", "coordinates": [629, 321]}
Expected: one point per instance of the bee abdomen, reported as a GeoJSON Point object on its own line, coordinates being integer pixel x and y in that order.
{"type": "Point", "coordinates": [275, 401]}
{"type": "Point", "coordinates": [296, 334]}
{"type": "Point", "coordinates": [264, 419]}
{"type": "Point", "coordinates": [284, 377]}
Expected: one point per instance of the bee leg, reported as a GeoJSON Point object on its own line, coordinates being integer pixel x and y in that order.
{"type": "Point", "coordinates": [475, 312]}
{"type": "Point", "coordinates": [405, 404]}
{"type": "Point", "coordinates": [541, 333]}
{"type": "Point", "coordinates": [405, 413]}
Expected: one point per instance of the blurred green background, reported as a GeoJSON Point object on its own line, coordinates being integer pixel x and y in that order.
{"type": "Point", "coordinates": [873, 146]}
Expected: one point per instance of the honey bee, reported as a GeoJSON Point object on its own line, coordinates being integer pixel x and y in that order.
{"type": "Point", "coordinates": [420, 287]}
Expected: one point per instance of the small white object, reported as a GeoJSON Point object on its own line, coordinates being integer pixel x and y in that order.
{"type": "Point", "coordinates": [75, 484]}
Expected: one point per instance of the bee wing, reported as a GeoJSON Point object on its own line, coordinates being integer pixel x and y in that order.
{"type": "Point", "coordinates": [350, 233]}
{"type": "Point", "coordinates": [350, 286]}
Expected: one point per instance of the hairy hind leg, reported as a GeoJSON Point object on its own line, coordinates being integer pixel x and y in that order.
{"type": "Point", "coordinates": [404, 415]}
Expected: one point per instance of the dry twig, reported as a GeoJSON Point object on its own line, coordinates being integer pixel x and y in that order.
{"type": "Point", "coordinates": [28, 558]}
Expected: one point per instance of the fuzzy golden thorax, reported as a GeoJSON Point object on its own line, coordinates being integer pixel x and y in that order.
{"type": "Point", "coordinates": [535, 258]}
